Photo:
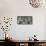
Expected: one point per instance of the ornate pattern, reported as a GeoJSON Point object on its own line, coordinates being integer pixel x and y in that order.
{"type": "Point", "coordinates": [35, 3]}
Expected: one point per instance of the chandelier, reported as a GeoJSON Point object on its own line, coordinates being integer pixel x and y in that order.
{"type": "Point", "coordinates": [35, 3]}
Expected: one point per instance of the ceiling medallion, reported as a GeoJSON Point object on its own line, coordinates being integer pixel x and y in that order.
{"type": "Point", "coordinates": [35, 3]}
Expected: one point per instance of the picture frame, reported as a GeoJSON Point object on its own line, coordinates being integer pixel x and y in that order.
{"type": "Point", "coordinates": [25, 20]}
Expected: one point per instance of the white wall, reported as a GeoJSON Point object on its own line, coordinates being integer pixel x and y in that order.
{"type": "Point", "coordinates": [14, 8]}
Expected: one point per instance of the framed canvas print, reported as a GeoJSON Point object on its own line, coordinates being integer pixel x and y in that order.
{"type": "Point", "coordinates": [24, 20]}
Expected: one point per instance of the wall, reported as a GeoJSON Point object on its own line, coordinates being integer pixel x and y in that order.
{"type": "Point", "coordinates": [14, 8]}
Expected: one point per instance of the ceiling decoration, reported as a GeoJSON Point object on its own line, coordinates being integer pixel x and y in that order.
{"type": "Point", "coordinates": [35, 3]}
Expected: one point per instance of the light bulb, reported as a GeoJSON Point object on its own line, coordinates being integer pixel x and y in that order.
{"type": "Point", "coordinates": [7, 35]}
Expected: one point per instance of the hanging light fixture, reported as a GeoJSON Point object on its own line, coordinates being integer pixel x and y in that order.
{"type": "Point", "coordinates": [35, 3]}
